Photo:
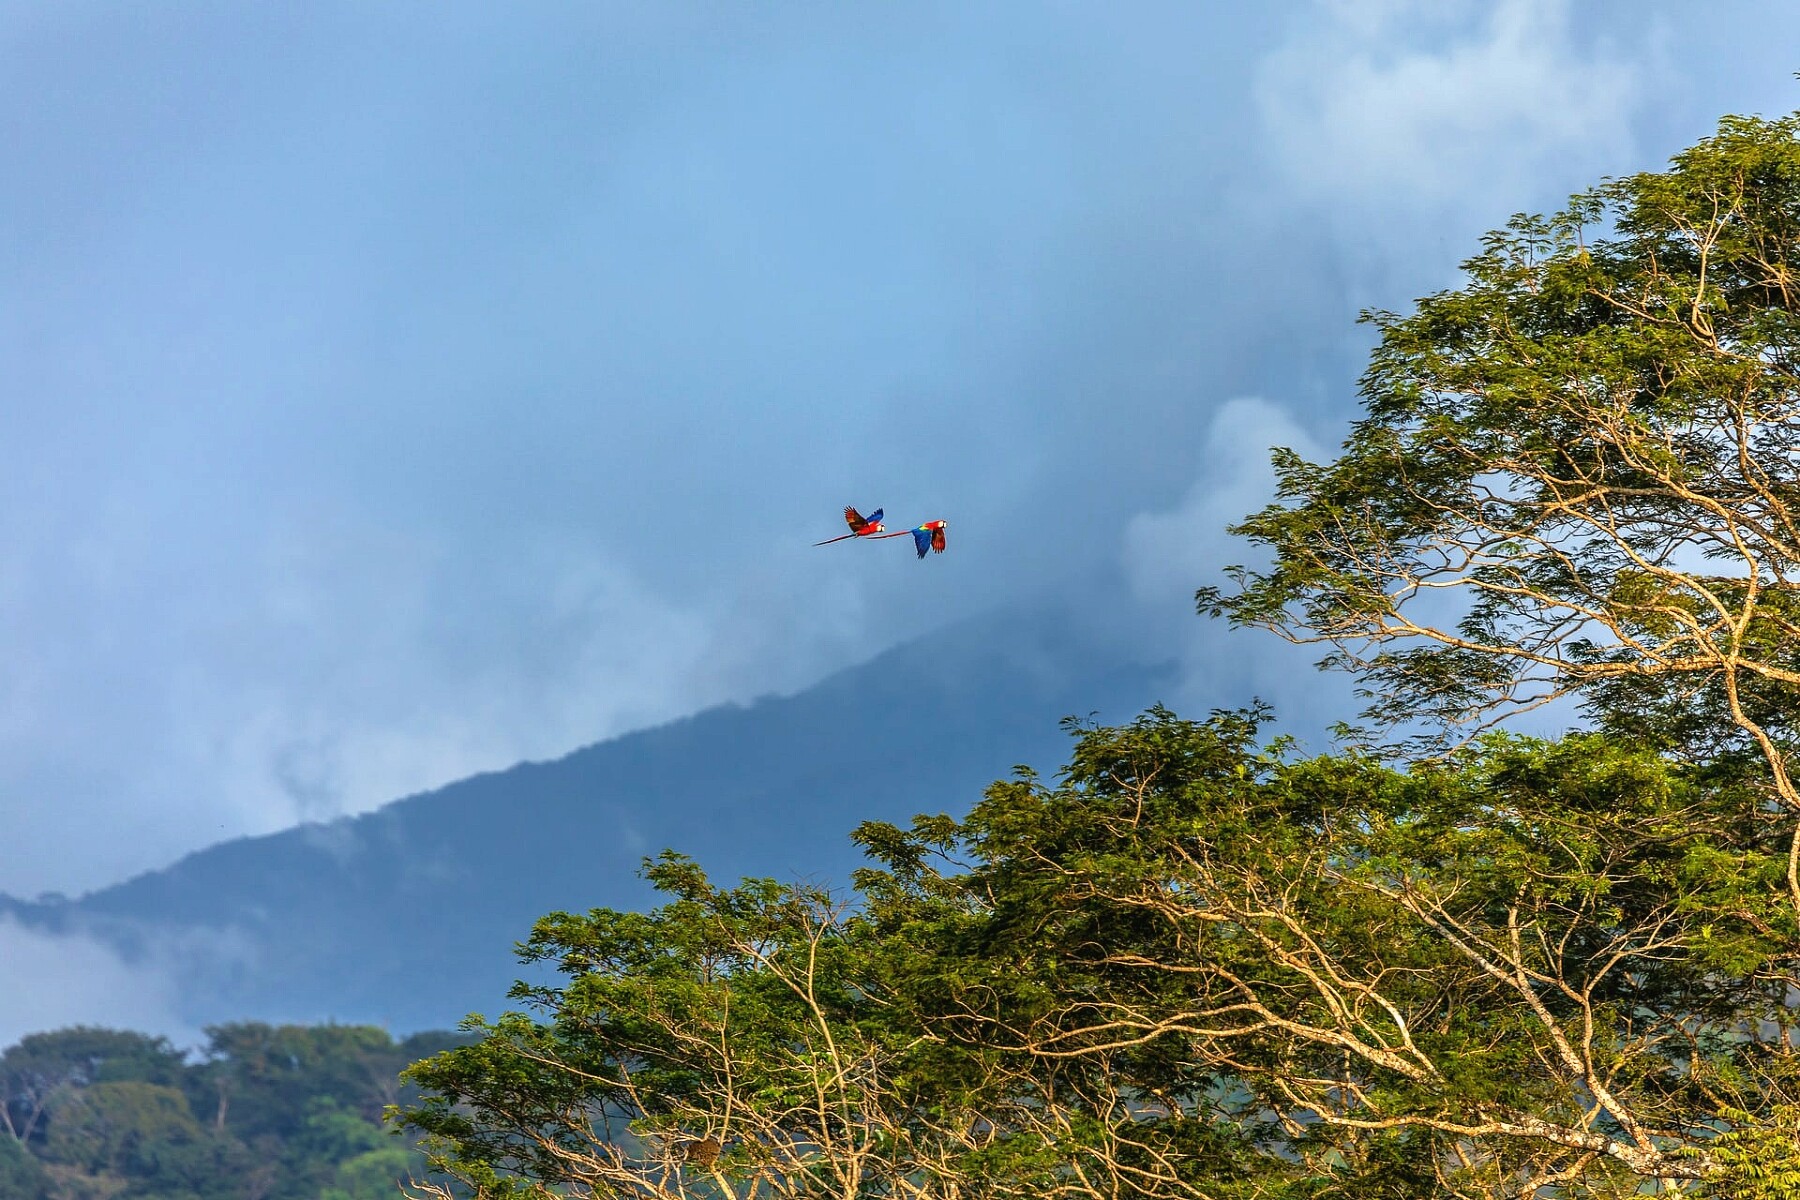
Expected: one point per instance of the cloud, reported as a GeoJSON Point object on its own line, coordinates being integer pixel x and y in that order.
{"type": "Point", "coordinates": [1188, 546]}
{"type": "Point", "coordinates": [1441, 103]}
{"type": "Point", "coordinates": [327, 671]}
{"type": "Point", "coordinates": [387, 401]}
{"type": "Point", "coordinates": [76, 980]}
{"type": "Point", "coordinates": [424, 398]}
{"type": "Point", "coordinates": [1402, 119]}
{"type": "Point", "coordinates": [1167, 554]}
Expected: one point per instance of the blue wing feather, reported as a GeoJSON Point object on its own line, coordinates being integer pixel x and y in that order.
{"type": "Point", "coordinates": [922, 540]}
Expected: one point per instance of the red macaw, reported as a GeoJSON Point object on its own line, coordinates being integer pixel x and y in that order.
{"type": "Point", "coordinates": [860, 526]}
{"type": "Point", "coordinates": [929, 536]}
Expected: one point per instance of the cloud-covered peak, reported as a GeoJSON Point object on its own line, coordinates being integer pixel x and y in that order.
{"type": "Point", "coordinates": [385, 400]}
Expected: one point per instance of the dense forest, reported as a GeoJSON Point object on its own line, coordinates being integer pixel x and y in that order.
{"type": "Point", "coordinates": [260, 1113]}
{"type": "Point", "coordinates": [1441, 960]}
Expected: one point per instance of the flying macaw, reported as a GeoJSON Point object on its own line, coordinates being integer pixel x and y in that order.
{"type": "Point", "coordinates": [929, 536]}
{"type": "Point", "coordinates": [860, 526]}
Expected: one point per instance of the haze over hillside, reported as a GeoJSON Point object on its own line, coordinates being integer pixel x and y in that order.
{"type": "Point", "coordinates": [406, 916]}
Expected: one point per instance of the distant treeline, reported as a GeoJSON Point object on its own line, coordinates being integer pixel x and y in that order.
{"type": "Point", "coordinates": [261, 1112]}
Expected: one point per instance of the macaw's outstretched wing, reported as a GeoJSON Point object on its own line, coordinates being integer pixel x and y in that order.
{"type": "Point", "coordinates": [860, 526]}
{"type": "Point", "coordinates": [926, 537]}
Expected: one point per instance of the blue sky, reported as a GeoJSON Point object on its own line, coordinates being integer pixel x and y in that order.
{"type": "Point", "coordinates": [393, 392]}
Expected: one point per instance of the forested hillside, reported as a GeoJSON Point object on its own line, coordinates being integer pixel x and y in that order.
{"type": "Point", "coordinates": [344, 920]}
{"type": "Point", "coordinates": [262, 1112]}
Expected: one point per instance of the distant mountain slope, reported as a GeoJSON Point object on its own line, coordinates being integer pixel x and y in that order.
{"type": "Point", "coordinates": [406, 916]}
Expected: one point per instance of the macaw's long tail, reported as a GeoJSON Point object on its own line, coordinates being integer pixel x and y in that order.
{"type": "Point", "coordinates": [925, 537]}
{"type": "Point", "coordinates": [840, 537]}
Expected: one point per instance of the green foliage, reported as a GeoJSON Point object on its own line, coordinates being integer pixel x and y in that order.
{"type": "Point", "coordinates": [371, 1175]}
{"type": "Point", "coordinates": [1759, 1160]}
{"type": "Point", "coordinates": [265, 1113]}
{"type": "Point", "coordinates": [1363, 973]}
{"type": "Point", "coordinates": [44, 1066]}
{"type": "Point", "coordinates": [1192, 966]}
{"type": "Point", "coordinates": [267, 1078]}
{"type": "Point", "coordinates": [738, 1039]}
{"type": "Point", "coordinates": [1577, 473]}
{"type": "Point", "coordinates": [21, 1175]}
{"type": "Point", "coordinates": [107, 1127]}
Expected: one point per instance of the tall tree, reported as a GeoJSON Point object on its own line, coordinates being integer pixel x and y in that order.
{"type": "Point", "coordinates": [21, 1176]}
{"type": "Point", "coordinates": [735, 1042]}
{"type": "Point", "coordinates": [43, 1067]}
{"type": "Point", "coordinates": [1190, 969]}
{"type": "Point", "coordinates": [1578, 475]}
{"type": "Point", "coordinates": [263, 1079]}
{"type": "Point", "coordinates": [1536, 966]}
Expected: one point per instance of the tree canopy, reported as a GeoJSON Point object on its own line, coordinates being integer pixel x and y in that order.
{"type": "Point", "coordinates": [1578, 475]}
{"type": "Point", "coordinates": [263, 1112]}
{"type": "Point", "coordinates": [1192, 967]}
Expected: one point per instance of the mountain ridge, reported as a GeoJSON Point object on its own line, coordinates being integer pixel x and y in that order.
{"type": "Point", "coordinates": [405, 915]}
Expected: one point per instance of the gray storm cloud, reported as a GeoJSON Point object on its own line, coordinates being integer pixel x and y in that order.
{"type": "Point", "coordinates": [387, 400]}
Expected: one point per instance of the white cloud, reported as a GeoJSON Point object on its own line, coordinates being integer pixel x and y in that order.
{"type": "Point", "coordinates": [1167, 554]}
{"type": "Point", "coordinates": [1171, 553]}
{"type": "Point", "coordinates": [75, 980]}
{"type": "Point", "coordinates": [1425, 108]}
{"type": "Point", "coordinates": [328, 672]}
{"type": "Point", "coordinates": [331, 664]}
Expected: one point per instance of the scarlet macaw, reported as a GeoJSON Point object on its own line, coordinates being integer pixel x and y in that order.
{"type": "Point", "coordinates": [929, 536]}
{"type": "Point", "coordinates": [860, 526]}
